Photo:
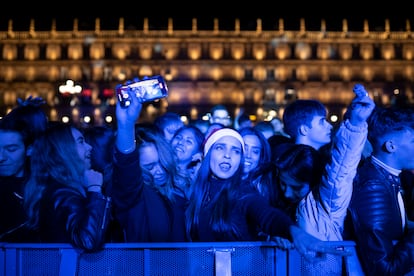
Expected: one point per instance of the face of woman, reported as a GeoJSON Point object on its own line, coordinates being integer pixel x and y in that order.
{"type": "Point", "coordinates": [225, 157]}
{"type": "Point", "coordinates": [184, 145]}
{"type": "Point", "coordinates": [83, 148]}
{"type": "Point", "coordinates": [150, 162]}
{"type": "Point", "coordinates": [293, 190]}
{"type": "Point", "coordinates": [252, 148]}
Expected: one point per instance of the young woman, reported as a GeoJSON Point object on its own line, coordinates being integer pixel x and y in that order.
{"type": "Point", "coordinates": [63, 197]}
{"type": "Point", "coordinates": [221, 209]}
{"type": "Point", "coordinates": [257, 171]}
{"type": "Point", "coordinates": [187, 144]}
{"type": "Point", "coordinates": [146, 201]}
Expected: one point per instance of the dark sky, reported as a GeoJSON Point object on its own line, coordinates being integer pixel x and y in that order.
{"type": "Point", "coordinates": [182, 12]}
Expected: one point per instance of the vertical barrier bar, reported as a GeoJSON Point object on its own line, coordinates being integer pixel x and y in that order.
{"type": "Point", "coordinates": [10, 262]}
{"type": "Point", "coordinates": [68, 262]}
{"type": "Point", "coordinates": [222, 261]}
{"type": "Point", "coordinates": [2, 261]}
{"type": "Point", "coordinates": [281, 262]}
{"type": "Point", "coordinates": [294, 262]}
{"type": "Point", "coordinates": [147, 262]}
{"type": "Point", "coordinates": [352, 265]}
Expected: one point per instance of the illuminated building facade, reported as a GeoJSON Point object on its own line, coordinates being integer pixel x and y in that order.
{"type": "Point", "coordinates": [260, 70]}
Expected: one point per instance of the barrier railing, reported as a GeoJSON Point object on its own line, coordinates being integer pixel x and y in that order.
{"type": "Point", "coordinates": [218, 258]}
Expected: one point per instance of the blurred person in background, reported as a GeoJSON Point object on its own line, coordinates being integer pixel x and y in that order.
{"type": "Point", "coordinates": [168, 123]}
{"type": "Point", "coordinates": [266, 128]}
{"type": "Point", "coordinates": [220, 114]}
{"type": "Point", "coordinates": [18, 130]}
{"type": "Point", "coordinates": [278, 126]}
{"type": "Point", "coordinates": [242, 120]}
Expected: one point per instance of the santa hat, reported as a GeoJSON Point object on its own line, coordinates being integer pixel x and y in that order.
{"type": "Point", "coordinates": [219, 133]}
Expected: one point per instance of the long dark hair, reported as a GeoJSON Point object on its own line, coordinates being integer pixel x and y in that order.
{"type": "Point", "coordinates": [302, 163]}
{"type": "Point", "coordinates": [145, 136]}
{"type": "Point", "coordinates": [261, 178]}
{"type": "Point", "coordinates": [54, 157]}
{"type": "Point", "coordinates": [229, 190]}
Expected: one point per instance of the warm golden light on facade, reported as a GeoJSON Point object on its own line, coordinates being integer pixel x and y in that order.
{"type": "Point", "coordinates": [31, 52]}
{"type": "Point", "coordinates": [194, 72]}
{"type": "Point", "coordinates": [281, 73]}
{"type": "Point", "coordinates": [303, 51]}
{"type": "Point", "coordinates": [238, 73]}
{"type": "Point", "coordinates": [75, 51]}
{"type": "Point", "coordinates": [259, 51]}
{"type": "Point", "coordinates": [237, 51]}
{"type": "Point", "coordinates": [97, 51]}
{"type": "Point", "coordinates": [252, 69]}
{"type": "Point", "coordinates": [259, 73]}
{"type": "Point", "coordinates": [53, 52]}
{"type": "Point", "coordinates": [367, 51]}
{"type": "Point", "coordinates": [408, 51]}
{"type": "Point", "coordinates": [387, 51]}
{"type": "Point", "coordinates": [216, 73]}
{"type": "Point", "coordinates": [171, 51]}
{"type": "Point", "coordinates": [194, 51]}
{"type": "Point", "coordinates": [282, 51]}
{"type": "Point", "coordinates": [121, 51]}
{"type": "Point", "coordinates": [324, 51]}
{"type": "Point", "coordinates": [216, 51]}
{"type": "Point", "coordinates": [345, 51]}
{"type": "Point", "coordinates": [145, 51]}
{"type": "Point", "coordinates": [9, 52]}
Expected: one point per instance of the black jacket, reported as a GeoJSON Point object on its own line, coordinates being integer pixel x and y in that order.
{"type": "Point", "coordinates": [384, 247]}
{"type": "Point", "coordinates": [13, 226]}
{"type": "Point", "coordinates": [143, 212]}
{"type": "Point", "coordinates": [68, 216]}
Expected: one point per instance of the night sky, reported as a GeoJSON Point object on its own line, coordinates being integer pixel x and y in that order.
{"type": "Point", "coordinates": [182, 13]}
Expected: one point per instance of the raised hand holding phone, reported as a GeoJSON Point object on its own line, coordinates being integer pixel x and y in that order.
{"type": "Point", "coordinates": [146, 90]}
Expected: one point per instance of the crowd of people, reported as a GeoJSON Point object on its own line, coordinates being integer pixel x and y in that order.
{"type": "Point", "coordinates": [297, 181]}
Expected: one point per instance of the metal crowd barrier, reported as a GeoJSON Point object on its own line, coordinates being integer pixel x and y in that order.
{"type": "Point", "coordinates": [193, 258]}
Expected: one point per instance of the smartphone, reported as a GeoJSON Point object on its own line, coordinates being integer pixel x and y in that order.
{"type": "Point", "coordinates": [145, 90]}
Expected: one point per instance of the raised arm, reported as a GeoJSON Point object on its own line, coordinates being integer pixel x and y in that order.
{"type": "Point", "coordinates": [126, 117]}
{"type": "Point", "coordinates": [324, 217]}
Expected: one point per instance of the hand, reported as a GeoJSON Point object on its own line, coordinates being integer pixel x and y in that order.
{"type": "Point", "coordinates": [361, 107]}
{"type": "Point", "coordinates": [30, 101]}
{"type": "Point", "coordinates": [93, 180]}
{"type": "Point", "coordinates": [282, 243]}
{"type": "Point", "coordinates": [313, 249]}
{"type": "Point", "coordinates": [128, 115]}
{"type": "Point", "coordinates": [126, 118]}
